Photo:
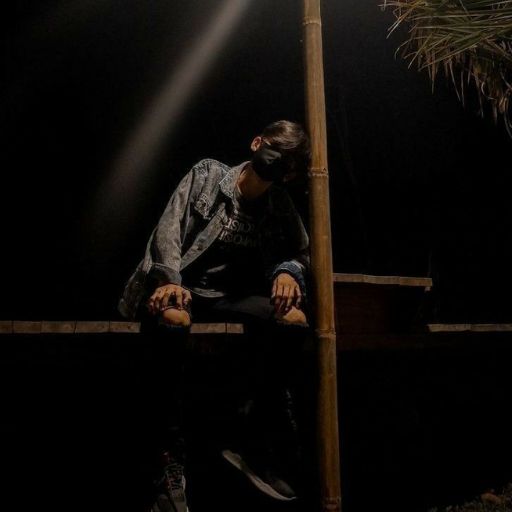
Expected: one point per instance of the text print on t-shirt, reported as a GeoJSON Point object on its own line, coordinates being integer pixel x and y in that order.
{"type": "Point", "coordinates": [240, 229]}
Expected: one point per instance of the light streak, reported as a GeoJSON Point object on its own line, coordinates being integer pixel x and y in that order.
{"type": "Point", "coordinates": [133, 167]}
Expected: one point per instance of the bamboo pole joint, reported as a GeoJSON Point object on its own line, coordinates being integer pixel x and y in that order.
{"type": "Point", "coordinates": [309, 20]}
{"type": "Point", "coordinates": [332, 504]}
{"type": "Point", "coordinates": [323, 335]}
{"type": "Point", "coordinates": [318, 171]}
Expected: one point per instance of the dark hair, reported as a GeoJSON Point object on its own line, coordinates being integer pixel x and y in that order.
{"type": "Point", "coordinates": [291, 140]}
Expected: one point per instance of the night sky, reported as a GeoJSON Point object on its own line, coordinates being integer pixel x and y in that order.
{"type": "Point", "coordinates": [419, 185]}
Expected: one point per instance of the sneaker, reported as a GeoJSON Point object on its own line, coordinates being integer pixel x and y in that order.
{"type": "Point", "coordinates": [265, 479]}
{"type": "Point", "coordinates": [171, 497]}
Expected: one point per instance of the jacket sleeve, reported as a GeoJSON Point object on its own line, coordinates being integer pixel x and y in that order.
{"type": "Point", "coordinates": [166, 238]}
{"type": "Point", "coordinates": [297, 262]}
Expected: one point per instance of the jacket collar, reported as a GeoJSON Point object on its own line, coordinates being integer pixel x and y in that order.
{"type": "Point", "coordinates": [228, 183]}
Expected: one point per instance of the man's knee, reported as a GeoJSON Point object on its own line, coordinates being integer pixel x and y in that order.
{"type": "Point", "coordinates": [175, 317]}
{"type": "Point", "coordinates": [294, 316]}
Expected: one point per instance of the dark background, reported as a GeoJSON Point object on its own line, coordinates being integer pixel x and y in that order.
{"type": "Point", "coordinates": [419, 185]}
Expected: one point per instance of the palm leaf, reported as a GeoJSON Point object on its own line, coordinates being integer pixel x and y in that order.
{"type": "Point", "coordinates": [469, 40]}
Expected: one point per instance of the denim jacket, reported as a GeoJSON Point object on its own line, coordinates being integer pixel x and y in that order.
{"type": "Point", "coordinates": [193, 219]}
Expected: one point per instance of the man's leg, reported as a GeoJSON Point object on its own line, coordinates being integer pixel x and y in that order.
{"type": "Point", "coordinates": [168, 340]}
{"type": "Point", "coordinates": [257, 309]}
{"type": "Point", "coordinates": [271, 444]}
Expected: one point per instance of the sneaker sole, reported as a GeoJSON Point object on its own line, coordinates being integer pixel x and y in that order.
{"type": "Point", "coordinates": [238, 463]}
{"type": "Point", "coordinates": [157, 508]}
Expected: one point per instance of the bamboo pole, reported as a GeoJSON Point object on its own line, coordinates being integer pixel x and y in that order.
{"type": "Point", "coordinates": [321, 261]}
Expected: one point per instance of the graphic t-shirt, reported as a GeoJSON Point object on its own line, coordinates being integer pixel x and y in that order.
{"type": "Point", "coordinates": [232, 263]}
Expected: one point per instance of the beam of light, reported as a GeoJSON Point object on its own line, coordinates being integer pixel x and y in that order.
{"type": "Point", "coordinates": [131, 170]}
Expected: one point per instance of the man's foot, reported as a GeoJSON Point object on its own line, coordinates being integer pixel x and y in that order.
{"type": "Point", "coordinates": [171, 497]}
{"type": "Point", "coordinates": [265, 479]}
{"type": "Point", "coordinates": [165, 504]}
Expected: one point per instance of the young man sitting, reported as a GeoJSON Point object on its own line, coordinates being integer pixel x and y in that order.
{"type": "Point", "coordinates": [230, 246]}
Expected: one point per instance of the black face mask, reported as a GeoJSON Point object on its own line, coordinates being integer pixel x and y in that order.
{"type": "Point", "coordinates": [269, 164]}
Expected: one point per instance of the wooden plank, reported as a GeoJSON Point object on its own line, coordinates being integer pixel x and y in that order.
{"type": "Point", "coordinates": [93, 327]}
{"type": "Point", "coordinates": [208, 328]}
{"type": "Point", "coordinates": [469, 327]}
{"type": "Point", "coordinates": [491, 327]}
{"type": "Point", "coordinates": [448, 327]}
{"type": "Point", "coordinates": [26, 327]}
{"type": "Point", "coordinates": [124, 327]}
{"type": "Point", "coordinates": [235, 328]}
{"type": "Point", "coordinates": [5, 326]}
{"type": "Point", "coordinates": [58, 327]}
{"type": "Point", "coordinates": [86, 327]}
{"type": "Point", "coordinates": [424, 282]}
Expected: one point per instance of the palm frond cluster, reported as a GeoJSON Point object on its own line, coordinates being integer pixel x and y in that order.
{"type": "Point", "coordinates": [470, 40]}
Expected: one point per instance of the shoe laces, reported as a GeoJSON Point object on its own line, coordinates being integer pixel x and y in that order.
{"type": "Point", "coordinates": [173, 474]}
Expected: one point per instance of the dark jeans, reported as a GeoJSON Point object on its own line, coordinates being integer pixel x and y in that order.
{"type": "Point", "coordinates": [261, 380]}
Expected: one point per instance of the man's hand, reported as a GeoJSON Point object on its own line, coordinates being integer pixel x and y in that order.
{"type": "Point", "coordinates": [169, 294]}
{"type": "Point", "coordinates": [285, 293]}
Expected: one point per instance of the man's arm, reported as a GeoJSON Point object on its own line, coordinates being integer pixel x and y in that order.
{"type": "Point", "coordinates": [297, 241]}
{"type": "Point", "coordinates": [166, 239]}
{"type": "Point", "coordinates": [288, 273]}
{"type": "Point", "coordinates": [298, 268]}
